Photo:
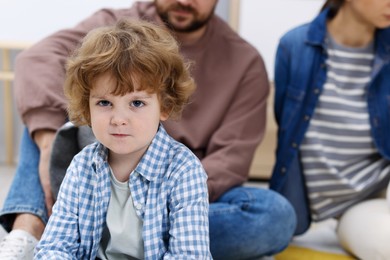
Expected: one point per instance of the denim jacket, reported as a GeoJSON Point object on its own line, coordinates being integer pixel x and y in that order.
{"type": "Point", "coordinates": [300, 74]}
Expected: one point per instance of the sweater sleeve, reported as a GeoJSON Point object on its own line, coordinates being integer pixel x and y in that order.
{"type": "Point", "coordinates": [232, 146]}
{"type": "Point", "coordinates": [40, 72]}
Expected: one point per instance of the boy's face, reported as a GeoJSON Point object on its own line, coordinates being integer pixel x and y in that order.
{"type": "Point", "coordinates": [125, 124]}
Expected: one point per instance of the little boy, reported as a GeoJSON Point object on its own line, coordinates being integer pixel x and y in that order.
{"type": "Point", "coordinates": [136, 193]}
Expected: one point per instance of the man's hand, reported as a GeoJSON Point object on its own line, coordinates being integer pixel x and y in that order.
{"type": "Point", "coordinates": [44, 139]}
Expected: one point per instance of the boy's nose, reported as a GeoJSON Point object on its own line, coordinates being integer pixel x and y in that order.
{"type": "Point", "coordinates": [118, 120]}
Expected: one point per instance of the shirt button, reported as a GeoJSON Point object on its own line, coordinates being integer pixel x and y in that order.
{"type": "Point", "coordinates": [316, 91]}
{"type": "Point", "coordinates": [283, 170]}
{"type": "Point", "coordinates": [138, 206]}
{"type": "Point", "coordinates": [294, 145]}
{"type": "Point", "coordinates": [135, 174]}
{"type": "Point", "coordinates": [306, 118]}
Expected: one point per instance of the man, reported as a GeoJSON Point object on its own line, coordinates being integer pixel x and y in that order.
{"type": "Point", "coordinates": [222, 125]}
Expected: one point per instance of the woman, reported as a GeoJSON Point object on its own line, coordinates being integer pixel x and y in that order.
{"type": "Point", "coordinates": [332, 106]}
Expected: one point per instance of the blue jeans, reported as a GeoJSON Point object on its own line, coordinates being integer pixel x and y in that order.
{"type": "Point", "coordinates": [25, 194]}
{"type": "Point", "coordinates": [245, 223]}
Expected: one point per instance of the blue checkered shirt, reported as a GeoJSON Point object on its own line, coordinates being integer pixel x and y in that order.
{"type": "Point", "coordinates": [170, 196]}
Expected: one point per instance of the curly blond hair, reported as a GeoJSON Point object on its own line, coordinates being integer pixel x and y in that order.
{"type": "Point", "coordinates": [134, 53]}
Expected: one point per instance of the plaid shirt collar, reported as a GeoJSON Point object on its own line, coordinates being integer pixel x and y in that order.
{"type": "Point", "coordinates": [155, 156]}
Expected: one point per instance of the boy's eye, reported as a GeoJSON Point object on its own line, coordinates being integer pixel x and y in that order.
{"type": "Point", "coordinates": [137, 103]}
{"type": "Point", "coordinates": [103, 103]}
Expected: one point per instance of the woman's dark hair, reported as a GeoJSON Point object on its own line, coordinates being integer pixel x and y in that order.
{"type": "Point", "coordinates": [334, 6]}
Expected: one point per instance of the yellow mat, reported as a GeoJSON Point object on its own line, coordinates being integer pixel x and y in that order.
{"type": "Point", "coordinates": [301, 253]}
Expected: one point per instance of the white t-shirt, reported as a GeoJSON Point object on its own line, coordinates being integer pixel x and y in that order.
{"type": "Point", "coordinates": [122, 236]}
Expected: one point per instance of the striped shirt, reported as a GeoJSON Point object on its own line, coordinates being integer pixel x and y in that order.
{"type": "Point", "coordinates": [341, 164]}
{"type": "Point", "coordinates": [169, 193]}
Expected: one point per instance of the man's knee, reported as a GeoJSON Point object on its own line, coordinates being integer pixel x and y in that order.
{"type": "Point", "coordinates": [278, 218]}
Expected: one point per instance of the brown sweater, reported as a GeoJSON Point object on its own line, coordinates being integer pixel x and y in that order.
{"type": "Point", "coordinates": [222, 125]}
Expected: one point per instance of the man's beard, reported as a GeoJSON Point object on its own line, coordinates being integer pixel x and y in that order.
{"type": "Point", "coordinates": [193, 26]}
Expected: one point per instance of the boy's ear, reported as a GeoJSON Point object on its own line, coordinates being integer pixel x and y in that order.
{"type": "Point", "coordinates": [164, 116]}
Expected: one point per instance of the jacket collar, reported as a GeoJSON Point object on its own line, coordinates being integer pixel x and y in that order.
{"type": "Point", "coordinates": [154, 162]}
{"type": "Point", "coordinates": [382, 43]}
{"type": "Point", "coordinates": [317, 29]}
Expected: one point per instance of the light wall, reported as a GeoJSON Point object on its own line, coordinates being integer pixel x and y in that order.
{"type": "Point", "coordinates": [263, 22]}
{"type": "Point", "coordinates": [31, 20]}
